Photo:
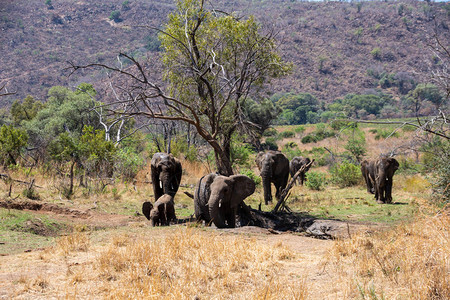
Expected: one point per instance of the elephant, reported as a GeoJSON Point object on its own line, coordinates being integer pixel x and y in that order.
{"type": "Point", "coordinates": [274, 168]}
{"type": "Point", "coordinates": [378, 176]}
{"type": "Point", "coordinates": [295, 164]}
{"type": "Point", "coordinates": [368, 173]}
{"type": "Point", "coordinates": [166, 174]}
{"type": "Point", "coordinates": [162, 212]}
{"type": "Point", "coordinates": [217, 198]}
{"type": "Point", "coordinates": [384, 172]}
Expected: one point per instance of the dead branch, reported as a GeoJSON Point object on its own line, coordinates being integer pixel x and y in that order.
{"type": "Point", "coordinates": [284, 193]}
{"type": "Point", "coordinates": [29, 184]}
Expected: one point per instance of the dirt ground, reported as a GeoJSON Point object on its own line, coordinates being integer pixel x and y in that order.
{"type": "Point", "coordinates": [309, 265]}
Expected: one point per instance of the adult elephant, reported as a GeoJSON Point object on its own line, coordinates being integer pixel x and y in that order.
{"type": "Point", "coordinates": [217, 198]}
{"type": "Point", "coordinates": [166, 174]}
{"type": "Point", "coordinates": [162, 212]}
{"type": "Point", "coordinates": [385, 168]}
{"type": "Point", "coordinates": [368, 173]}
{"type": "Point", "coordinates": [295, 164]}
{"type": "Point", "coordinates": [274, 168]}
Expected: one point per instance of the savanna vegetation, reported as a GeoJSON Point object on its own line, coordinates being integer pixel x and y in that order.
{"type": "Point", "coordinates": [75, 170]}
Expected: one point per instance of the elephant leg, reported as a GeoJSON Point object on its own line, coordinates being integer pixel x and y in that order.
{"type": "Point", "coordinates": [302, 178]}
{"type": "Point", "coordinates": [389, 191]}
{"type": "Point", "coordinates": [231, 219]}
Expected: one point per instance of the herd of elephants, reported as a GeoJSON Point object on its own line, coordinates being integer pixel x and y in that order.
{"type": "Point", "coordinates": [217, 198]}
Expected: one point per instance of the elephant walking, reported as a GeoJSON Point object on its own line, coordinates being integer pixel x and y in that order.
{"type": "Point", "coordinates": [378, 175]}
{"type": "Point", "coordinates": [368, 173]}
{"type": "Point", "coordinates": [217, 198]}
{"type": "Point", "coordinates": [166, 174]}
{"type": "Point", "coordinates": [162, 212]}
{"type": "Point", "coordinates": [274, 168]}
{"type": "Point", "coordinates": [295, 164]}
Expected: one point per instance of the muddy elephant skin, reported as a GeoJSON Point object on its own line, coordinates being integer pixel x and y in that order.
{"type": "Point", "coordinates": [274, 168]}
{"type": "Point", "coordinates": [166, 174]}
{"type": "Point", "coordinates": [378, 175]}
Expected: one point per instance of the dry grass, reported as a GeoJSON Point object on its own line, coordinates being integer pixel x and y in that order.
{"type": "Point", "coordinates": [189, 264]}
{"type": "Point", "coordinates": [75, 242]}
{"type": "Point", "coordinates": [411, 261]}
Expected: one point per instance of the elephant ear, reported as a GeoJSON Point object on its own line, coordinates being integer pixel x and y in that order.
{"type": "Point", "coordinates": [146, 208]}
{"type": "Point", "coordinates": [394, 163]}
{"type": "Point", "coordinates": [243, 186]}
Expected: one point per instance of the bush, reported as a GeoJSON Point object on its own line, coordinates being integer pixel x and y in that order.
{"type": "Point", "coordinates": [115, 16]}
{"type": "Point", "coordinates": [309, 139]}
{"type": "Point", "coordinates": [339, 124]}
{"type": "Point", "coordinates": [270, 144]}
{"type": "Point", "coordinates": [287, 134]}
{"type": "Point", "coordinates": [127, 163]}
{"type": "Point", "coordinates": [299, 129]}
{"type": "Point", "coordinates": [385, 134]}
{"type": "Point", "coordinates": [345, 174]}
{"type": "Point", "coordinates": [376, 53]}
{"type": "Point", "coordinates": [315, 180]}
{"type": "Point", "coordinates": [240, 154]}
{"type": "Point", "coordinates": [270, 132]}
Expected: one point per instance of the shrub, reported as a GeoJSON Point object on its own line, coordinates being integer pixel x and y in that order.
{"type": "Point", "coordinates": [376, 53]}
{"type": "Point", "coordinates": [240, 154]}
{"type": "Point", "coordinates": [345, 174]}
{"type": "Point", "coordinates": [315, 180]}
{"type": "Point", "coordinates": [270, 132]}
{"type": "Point", "coordinates": [127, 163]}
{"type": "Point", "coordinates": [115, 16]}
{"type": "Point", "coordinates": [12, 143]}
{"type": "Point", "coordinates": [309, 139]}
{"type": "Point", "coordinates": [339, 124]}
{"type": "Point", "coordinates": [299, 129]}
{"type": "Point", "coordinates": [385, 134]}
{"type": "Point", "coordinates": [270, 144]}
{"type": "Point", "coordinates": [287, 134]}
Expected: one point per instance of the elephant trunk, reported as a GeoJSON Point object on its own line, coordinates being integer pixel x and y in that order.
{"type": "Point", "coordinates": [166, 181]}
{"type": "Point", "coordinates": [266, 174]}
{"type": "Point", "coordinates": [216, 213]}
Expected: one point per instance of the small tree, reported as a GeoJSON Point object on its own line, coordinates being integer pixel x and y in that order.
{"type": "Point", "coordinates": [12, 143]}
{"type": "Point", "coordinates": [115, 16]}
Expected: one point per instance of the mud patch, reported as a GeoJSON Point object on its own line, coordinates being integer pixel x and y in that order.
{"type": "Point", "coordinates": [33, 205]}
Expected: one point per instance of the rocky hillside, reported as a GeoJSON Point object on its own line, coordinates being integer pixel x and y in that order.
{"type": "Point", "coordinates": [336, 47]}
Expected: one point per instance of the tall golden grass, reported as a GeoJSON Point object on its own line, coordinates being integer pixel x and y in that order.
{"type": "Point", "coordinates": [411, 261]}
{"type": "Point", "coordinates": [191, 264]}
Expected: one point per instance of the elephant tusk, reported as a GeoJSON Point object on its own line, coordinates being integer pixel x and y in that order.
{"type": "Point", "coordinates": [160, 184]}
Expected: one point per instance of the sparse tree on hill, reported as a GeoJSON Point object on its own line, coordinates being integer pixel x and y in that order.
{"type": "Point", "coordinates": [212, 61]}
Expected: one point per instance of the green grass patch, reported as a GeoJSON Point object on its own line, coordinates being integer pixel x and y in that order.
{"type": "Point", "coordinates": [20, 231]}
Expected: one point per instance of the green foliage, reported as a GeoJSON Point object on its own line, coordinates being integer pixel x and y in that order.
{"type": "Point", "coordinates": [428, 92]}
{"type": "Point", "coordinates": [126, 5]}
{"type": "Point", "coordinates": [320, 133]}
{"type": "Point", "coordinates": [127, 163]}
{"type": "Point", "coordinates": [262, 114]}
{"type": "Point", "coordinates": [299, 129]}
{"type": "Point", "coordinates": [298, 109]}
{"type": "Point", "coordinates": [345, 174]}
{"type": "Point", "coordinates": [387, 81]}
{"type": "Point", "coordinates": [240, 154]}
{"type": "Point", "coordinates": [319, 154]}
{"type": "Point", "coordinates": [252, 175]}
{"type": "Point", "coordinates": [96, 153]}
{"type": "Point", "coordinates": [270, 144]}
{"type": "Point", "coordinates": [12, 143]}
{"type": "Point", "coordinates": [315, 180]}
{"type": "Point", "coordinates": [291, 150]}
{"type": "Point", "coordinates": [179, 147]}
{"type": "Point", "coordinates": [341, 124]}
{"type": "Point", "coordinates": [376, 53]}
{"type": "Point", "coordinates": [287, 134]}
{"type": "Point", "coordinates": [65, 111]}
{"type": "Point", "coordinates": [356, 142]}
{"type": "Point", "coordinates": [152, 43]}
{"type": "Point", "coordinates": [26, 110]}
{"type": "Point", "coordinates": [408, 165]}
{"type": "Point", "coordinates": [437, 161]}
{"type": "Point", "coordinates": [380, 133]}
{"type": "Point", "coordinates": [115, 16]}
{"type": "Point", "coordinates": [270, 132]}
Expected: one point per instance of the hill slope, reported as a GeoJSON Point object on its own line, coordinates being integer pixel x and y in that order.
{"type": "Point", "coordinates": [336, 47]}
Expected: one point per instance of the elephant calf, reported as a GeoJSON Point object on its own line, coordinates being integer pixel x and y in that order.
{"type": "Point", "coordinates": [378, 175]}
{"type": "Point", "coordinates": [162, 212]}
{"type": "Point", "coordinates": [217, 198]}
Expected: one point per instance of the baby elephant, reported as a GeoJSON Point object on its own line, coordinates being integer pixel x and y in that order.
{"type": "Point", "coordinates": [162, 212]}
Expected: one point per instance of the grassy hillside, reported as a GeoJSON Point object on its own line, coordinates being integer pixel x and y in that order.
{"type": "Point", "coordinates": [336, 47]}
